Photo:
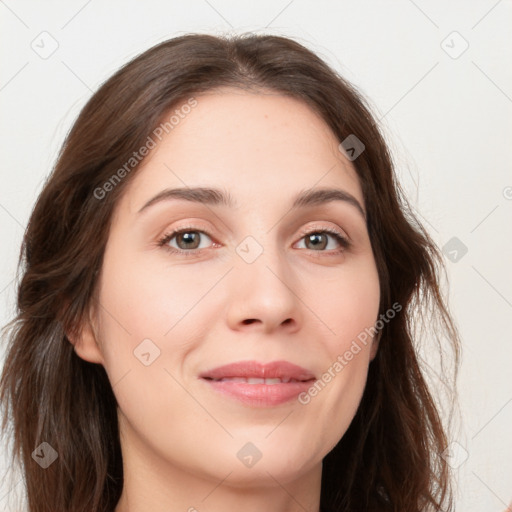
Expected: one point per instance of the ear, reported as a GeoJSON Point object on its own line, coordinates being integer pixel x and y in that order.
{"type": "Point", "coordinates": [86, 342]}
{"type": "Point", "coordinates": [375, 345]}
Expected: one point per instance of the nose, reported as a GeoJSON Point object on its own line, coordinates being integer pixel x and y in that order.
{"type": "Point", "coordinates": [264, 296]}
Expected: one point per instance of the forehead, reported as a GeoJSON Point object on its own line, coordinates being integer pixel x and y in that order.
{"type": "Point", "coordinates": [262, 144]}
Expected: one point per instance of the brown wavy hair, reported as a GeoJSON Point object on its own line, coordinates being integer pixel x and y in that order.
{"type": "Point", "coordinates": [390, 457]}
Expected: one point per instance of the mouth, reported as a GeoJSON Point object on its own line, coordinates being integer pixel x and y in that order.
{"type": "Point", "coordinates": [259, 385]}
{"type": "Point", "coordinates": [257, 380]}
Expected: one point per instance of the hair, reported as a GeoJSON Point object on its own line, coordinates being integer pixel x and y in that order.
{"type": "Point", "coordinates": [389, 459]}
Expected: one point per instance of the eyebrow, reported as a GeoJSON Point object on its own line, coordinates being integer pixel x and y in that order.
{"type": "Point", "coordinates": [218, 197]}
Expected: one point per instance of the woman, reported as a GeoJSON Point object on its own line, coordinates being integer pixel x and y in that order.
{"type": "Point", "coordinates": [222, 282]}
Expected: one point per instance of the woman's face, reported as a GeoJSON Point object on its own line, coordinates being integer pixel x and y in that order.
{"type": "Point", "coordinates": [257, 280]}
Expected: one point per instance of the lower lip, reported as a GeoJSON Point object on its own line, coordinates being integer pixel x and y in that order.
{"type": "Point", "coordinates": [260, 395]}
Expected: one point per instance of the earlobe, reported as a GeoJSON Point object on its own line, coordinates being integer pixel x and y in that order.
{"type": "Point", "coordinates": [86, 344]}
{"type": "Point", "coordinates": [375, 346]}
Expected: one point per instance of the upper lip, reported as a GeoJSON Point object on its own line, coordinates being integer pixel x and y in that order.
{"type": "Point", "coordinates": [254, 369]}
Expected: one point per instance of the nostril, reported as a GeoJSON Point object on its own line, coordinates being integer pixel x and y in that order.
{"type": "Point", "coordinates": [249, 321]}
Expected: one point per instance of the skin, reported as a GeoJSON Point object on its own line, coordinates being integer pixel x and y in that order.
{"type": "Point", "coordinates": [179, 437]}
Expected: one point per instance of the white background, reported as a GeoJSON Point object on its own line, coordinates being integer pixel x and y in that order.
{"type": "Point", "coordinates": [448, 121]}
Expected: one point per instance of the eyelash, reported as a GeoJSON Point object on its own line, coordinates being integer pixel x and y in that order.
{"type": "Point", "coordinates": [340, 238]}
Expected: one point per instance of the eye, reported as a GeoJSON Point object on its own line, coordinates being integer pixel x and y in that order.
{"type": "Point", "coordinates": [318, 240]}
{"type": "Point", "coordinates": [187, 240]}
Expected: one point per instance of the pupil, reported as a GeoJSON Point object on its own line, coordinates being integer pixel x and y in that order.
{"type": "Point", "coordinates": [188, 238]}
{"type": "Point", "coordinates": [315, 239]}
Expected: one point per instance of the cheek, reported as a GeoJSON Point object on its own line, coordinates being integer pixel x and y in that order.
{"type": "Point", "coordinates": [141, 302]}
{"type": "Point", "coordinates": [349, 307]}
{"type": "Point", "coordinates": [146, 321]}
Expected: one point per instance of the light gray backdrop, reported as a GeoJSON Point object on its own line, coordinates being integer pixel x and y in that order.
{"type": "Point", "coordinates": [438, 74]}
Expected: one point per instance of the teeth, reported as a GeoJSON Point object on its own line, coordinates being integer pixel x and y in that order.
{"type": "Point", "coordinates": [256, 380]}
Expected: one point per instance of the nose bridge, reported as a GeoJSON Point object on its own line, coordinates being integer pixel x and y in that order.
{"type": "Point", "coordinates": [262, 285]}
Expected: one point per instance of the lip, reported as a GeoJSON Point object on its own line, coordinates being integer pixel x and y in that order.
{"type": "Point", "coordinates": [254, 369]}
{"type": "Point", "coordinates": [260, 395]}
